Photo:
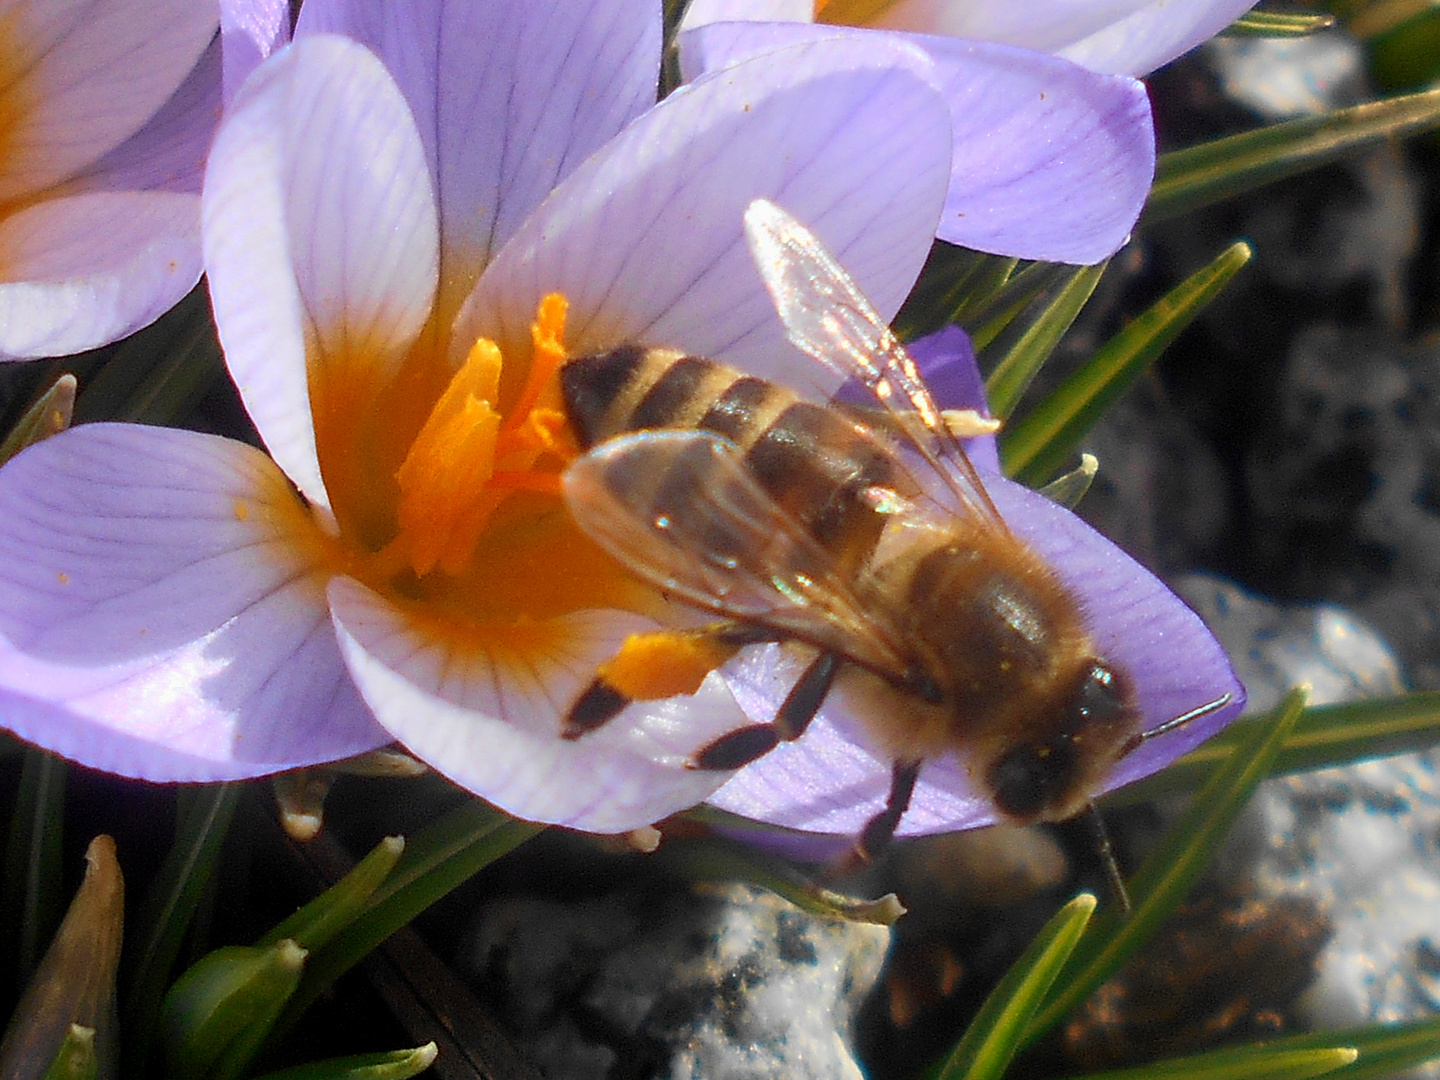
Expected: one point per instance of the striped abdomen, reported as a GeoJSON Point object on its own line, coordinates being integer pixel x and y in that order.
{"type": "Point", "coordinates": [813, 460]}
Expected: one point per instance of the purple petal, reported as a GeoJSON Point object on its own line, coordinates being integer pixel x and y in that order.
{"type": "Point", "coordinates": [250, 30]}
{"type": "Point", "coordinates": [646, 238]}
{"type": "Point", "coordinates": [320, 237]}
{"type": "Point", "coordinates": [1050, 161]}
{"type": "Point", "coordinates": [509, 96]}
{"type": "Point", "coordinates": [489, 718]}
{"type": "Point", "coordinates": [89, 269]}
{"type": "Point", "coordinates": [162, 612]}
{"type": "Point", "coordinates": [85, 76]}
{"type": "Point", "coordinates": [701, 12]}
{"type": "Point", "coordinates": [829, 782]}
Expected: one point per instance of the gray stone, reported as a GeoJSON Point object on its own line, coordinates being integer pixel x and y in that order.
{"type": "Point", "coordinates": [716, 982]}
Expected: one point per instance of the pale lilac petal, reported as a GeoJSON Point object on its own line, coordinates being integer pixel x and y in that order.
{"type": "Point", "coordinates": [1155, 35]}
{"type": "Point", "coordinates": [646, 238]}
{"type": "Point", "coordinates": [509, 96]}
{"type": "Point", "coordinates": [168, 153]}
{"type": "Point", "coordinates": [1051, 161]}
{"type": "Point", "coordinates": [1042, 25]}
{"type": "Point", "coordinates": [84, 75]}
{"type": "Point", "coordinates": [250, 30]}
{"type": "Point", "coordinates": [86, 270]}
{"type": "Point", "coordinates": [320, 237]}
{"type": "Point", "coordinates": [161, 610]}
{"type": "Point", "coordinates": [491, 721]}
{"type": "Point", "coordinates": [828, 782]}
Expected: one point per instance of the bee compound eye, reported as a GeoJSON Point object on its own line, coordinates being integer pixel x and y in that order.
{"type": "Point", "coordinates": [1100, 698]}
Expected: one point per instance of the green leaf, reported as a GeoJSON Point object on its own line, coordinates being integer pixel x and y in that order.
{"type": "Point", "coordinates": [1035, 447]}
{"type": "Point", "coordinates": [1188, 179]}
{"type": "Point", "coordinates": [993, 1037]}
{"type": "Point", "coordinates": [1323, 737]}
{"type": "Point", "coordinates": [952, 278]}
{"type": "Point", "coordinates": [31, 902]}
{"type": "Point", "coordinates": [1278, 24]}
{"type": "Point", "coordinates": [1018, 366]}
{"type": "Point", "coordinates": [1069, 489]}
{"type": "Point", "coordinates": [1259, 1061]}
{"type": "Point", "coordinates": [217, 1015]}
{"type": "Point", "coordinates": [319, 921]}
{"type": "Point", "coordinates": [156, 375]}
{"type": "Point", "coordinates": [391, 1065]}
{"type": "Point", "coordinates": [76, 1059]}
{"type": "Point", "coordinates": [75, 982]}
{"type": "Point", "coordinates": [50, 415]}
{"type": "Point", "coordinates": [204, 818]}
{"type": "Point", "coordinates": [720, 859]}
{"type": "Point", "coordinates": [1168, 874]}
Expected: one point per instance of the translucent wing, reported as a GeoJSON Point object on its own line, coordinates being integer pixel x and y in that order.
{"type": "Point", "coordinates": [827, 316]}
{"type": "Point", "coordinates": [680, 509]}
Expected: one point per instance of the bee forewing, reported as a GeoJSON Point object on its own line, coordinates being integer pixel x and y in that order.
{"type": "Point", "coordinates": [681, 511]}
{"type": "Point", "coordinates": [827, 317]}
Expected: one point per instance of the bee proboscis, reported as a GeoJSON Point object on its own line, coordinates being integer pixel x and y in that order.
{"type": "Point", "coordinates": [866, 537]}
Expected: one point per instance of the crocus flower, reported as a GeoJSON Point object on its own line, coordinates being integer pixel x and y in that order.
{"type": "Point", "coordinates": [393, 232]}
{"type": "Point", "coordinates": [1120, 37]}
{"type": "Point", "coordinates": [106, 111]}
{"type": "Point", "coordinates": [381, 225]}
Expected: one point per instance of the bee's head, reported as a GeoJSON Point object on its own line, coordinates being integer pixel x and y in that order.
{"type": "Point", "coordinates": [1053, 774]}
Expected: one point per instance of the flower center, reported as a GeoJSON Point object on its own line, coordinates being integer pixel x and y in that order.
{"type": "Point", "coordinates": [467, 459]}
{"type": "Point", "coordinates": [850, 12]}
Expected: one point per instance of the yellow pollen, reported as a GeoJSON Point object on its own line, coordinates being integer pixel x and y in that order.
{"type": "Point", "coordinates": [467, 458]}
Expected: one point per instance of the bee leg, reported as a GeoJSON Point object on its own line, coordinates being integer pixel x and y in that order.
{"type": "Point", "coordinates": [649, 667]}
{"type": "Point", "coordinates": [880, 829]}
{"type": "Point", "coordinates": [746, 744]}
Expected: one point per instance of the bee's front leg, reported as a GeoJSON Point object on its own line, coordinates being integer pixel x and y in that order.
{"type": "Point", "coordinates": [650, 667]}
{"type": "Point", "coordinates": [746, 744]}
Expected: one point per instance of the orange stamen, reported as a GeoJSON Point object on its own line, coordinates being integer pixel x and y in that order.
{"type": "Point", "coordinates": [467, 459]}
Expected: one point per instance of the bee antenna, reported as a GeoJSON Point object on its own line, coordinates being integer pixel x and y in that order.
{"type": "Point", "coordinates": [1106, 852]}
{"type": "Point", "coordinates": [1180, 721]}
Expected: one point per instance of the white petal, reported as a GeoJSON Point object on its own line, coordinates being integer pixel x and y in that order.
{"type": "Point", "coordinates": [320, 237]}
{"type": "Point", "coordinates": [86, 270]}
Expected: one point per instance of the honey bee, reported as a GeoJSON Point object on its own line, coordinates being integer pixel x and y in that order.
{"type": "Point", "coordinates": [864, 536]}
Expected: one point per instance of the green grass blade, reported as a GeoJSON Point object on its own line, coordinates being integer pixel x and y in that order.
{"type": "Point", "coordinates": [322, 918]}
{"type": "Point", "coordinates": [445, 862]}
{"type": "Point", "coordinates": [1018, 366]}
{"type": "Point", "coordinates": [1278, 24]}
{"type": "Point", "coordinates": [1036, 446]}
{"type": "Point", "coordinates": [1163, 881]}
{"type": "Point", "coordinates": [1323, 737]}
{"type": "Point", "coordinates": [391, 1065]}
{"type": "Point", "coordinates": [169, 906]}
{"type": "Point", "coordinates": [1258, 1062]}
{"type": "Point", "coordinates": [991, 1040]}
{"type": "Point", "coordinates": [1188, 179]}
